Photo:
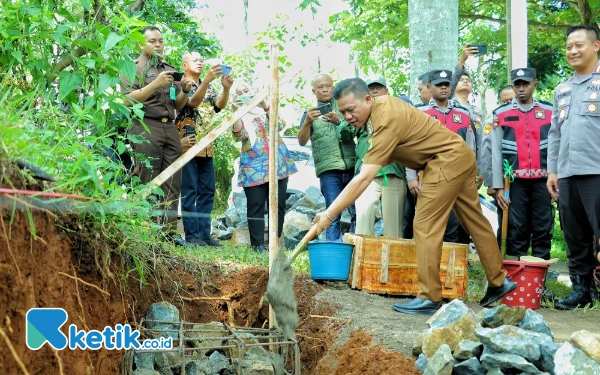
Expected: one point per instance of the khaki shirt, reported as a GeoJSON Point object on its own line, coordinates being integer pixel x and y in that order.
{"type": "Point", "coordinates": [404, 134]}
{"type": "Point", "coordinates": [159, 105]}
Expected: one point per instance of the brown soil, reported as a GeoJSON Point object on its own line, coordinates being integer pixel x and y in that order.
{"type": "Point", "coordinates": [359, 356]}
{"type": "Point", "coordinates": [58, 266]}
{"type": "Point", "coordinates": [34, 273]}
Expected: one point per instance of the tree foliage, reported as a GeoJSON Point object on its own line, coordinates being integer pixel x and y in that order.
{"type": "Point", "coordinates": [62, 109]}
{"type": "Point", "coordinates": [377, 31]}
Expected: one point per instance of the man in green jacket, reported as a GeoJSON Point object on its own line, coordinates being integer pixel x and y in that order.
{"type": "Point", "coordinates": [333, 147]}
{"type": "Point", "coordinates": [389, 185]}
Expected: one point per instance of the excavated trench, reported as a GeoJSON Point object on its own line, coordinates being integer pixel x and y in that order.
{"type": "Point", "coordinates": [58, 265]}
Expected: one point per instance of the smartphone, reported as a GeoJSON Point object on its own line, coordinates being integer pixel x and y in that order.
{"type": "Point", "coordinates": [190, 130]}
{"type": "Point", "coordinates": [324, 108]}
{"type": "Point", "coordinates": [226, 69]}
{"type": "Point", "coordinates": [177, 76]}
{"type": "Point", "coordinates": [481, 48]}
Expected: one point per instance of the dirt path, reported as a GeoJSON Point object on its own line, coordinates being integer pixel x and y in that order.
{"type": "Point", "coordinates": [374, 314]}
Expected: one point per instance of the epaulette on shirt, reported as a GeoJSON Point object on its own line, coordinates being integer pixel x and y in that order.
{"type": "Point", "coordinates": [420, 106]}
{"type": "Point", "coordinates": [546, 105]}
{"type": "Point", "coordinates": [503, 108]}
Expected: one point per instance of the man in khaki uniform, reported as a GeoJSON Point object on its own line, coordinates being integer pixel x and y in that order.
{"type": "Point", "coordinates": [160, 95]}
{"type": "Point", "coordinates": [404, 134]}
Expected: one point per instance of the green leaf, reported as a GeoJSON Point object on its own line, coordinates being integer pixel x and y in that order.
{"type": "Point", "coordinates": [106, 81]}
{"type": "Point", "coordinates": [128, 69]}
{"type": "Point", "coordinates": [121, 147]}
{"type": "Point", "coordinates": [18, 56]}
{"type": "Point", "coordinates": [112, 40]}
{"type": "Point", "coordinates": [107, 142]}
{"type": "Point", "coordinates": [86, 4]}
{"type": "Point", "coordinates": [68, 82]}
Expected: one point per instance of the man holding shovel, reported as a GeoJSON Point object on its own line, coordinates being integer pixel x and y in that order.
{"type": "Point", "coordinates": [404, 134]}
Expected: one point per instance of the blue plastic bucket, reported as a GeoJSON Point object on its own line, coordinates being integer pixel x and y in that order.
{"type": "Point", "coordinates": [329, 260]}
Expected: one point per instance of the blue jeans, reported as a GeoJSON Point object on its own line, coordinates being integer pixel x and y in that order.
{"type": "Point", "coordinates": [197, 196]}
{"type": "Point", "coordinates": [332, 184]}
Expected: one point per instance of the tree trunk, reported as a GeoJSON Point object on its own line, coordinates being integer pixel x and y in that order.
{"type": "Point", "coordinates": [508, 40]}
{"type": "Point", "coordinates": [433, 38]}
{"type": "Point", "coordinates": [246, 18]}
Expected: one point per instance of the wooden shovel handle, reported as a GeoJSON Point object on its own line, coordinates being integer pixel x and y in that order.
{"type": "Point", "coordinates": [305, 240]}
{"type": "Point", "coordinates": [505, 220]}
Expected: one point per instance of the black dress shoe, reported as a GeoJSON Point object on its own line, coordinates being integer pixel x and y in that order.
{"type": "Point", "coordinates": [197, 242]}
{"type": "Point", "coordinates": [178, 241]}
{"type": "Point", "coordinates": [493, 294]}
{"type": "Point", "coordinates": [418, 306]}
{"type": "Point", "coordinates": [260, 249]}
{"type": "Point", "coordinates": [212, 242]}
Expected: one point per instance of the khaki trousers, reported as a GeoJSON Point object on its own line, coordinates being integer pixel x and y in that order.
{"type": "Point", "coordinates": [393, 199]}
{"type": "Point", "coordinates": [162, 149]}
{"type": "Point", "coordinates": [435, 202]}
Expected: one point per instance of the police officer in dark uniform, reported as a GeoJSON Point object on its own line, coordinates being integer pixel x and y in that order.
{"type": "Point", "coordinates": [160, 95]}
{"type": "Point", "coordinates": [574, 162]}
{"type": "Point", "coordinates": [456, 118]}
{"type": "Point", "coordinates": [519, 139]}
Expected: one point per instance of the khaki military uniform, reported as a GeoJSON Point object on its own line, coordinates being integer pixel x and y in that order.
{"type": "Point", "coordinates": [163, 146]}
{"type": "Point", "coordinates": [406, 135]}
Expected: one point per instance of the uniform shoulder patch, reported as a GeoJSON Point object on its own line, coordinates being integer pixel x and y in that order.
{"type": "Point", "coordinates": [457, 118]}
{"type": "Point", "coordinates": [540, 114]}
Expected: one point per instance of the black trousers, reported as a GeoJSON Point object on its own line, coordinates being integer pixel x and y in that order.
{"type": "Point", "coordinates": [256, 197]}
{"type": "Point", "coordinates": [530, 218]}
{"type": "Point", "coordinates": [409, 215]}
{"type": "Point", "coordinates": [579, 207]}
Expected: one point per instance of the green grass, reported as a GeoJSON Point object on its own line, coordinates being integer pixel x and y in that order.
{"type": "Point", "coordinates": [241, 255]}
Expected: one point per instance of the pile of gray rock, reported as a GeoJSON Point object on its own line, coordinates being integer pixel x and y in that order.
{"type": "Point", "coordinates": [300, 209]}
{"type": "Point", "coordinates": [501, 340]}
{"type": "Point", "coordinates": [209, 354]}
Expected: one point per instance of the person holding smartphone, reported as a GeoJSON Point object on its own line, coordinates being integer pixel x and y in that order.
{"type": "Point", "coordinates": [333, 146]}
{"type": "Point", "coordinates": [160, 96]}
{"type": "Point", "coordinates": [253, 174]}
{"type": "Point", "coordinates": [194, 122]}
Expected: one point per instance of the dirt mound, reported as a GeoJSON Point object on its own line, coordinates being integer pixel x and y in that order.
{"type": "Point", "coordinates": [359, 356]}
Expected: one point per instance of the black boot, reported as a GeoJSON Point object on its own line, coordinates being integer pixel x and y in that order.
{"type": "Point", "coordinates": [579, 296]}
{"type": "Point", "coordinates": [594, 295]}
{"type": "Point", "coordinates": [595, 286]}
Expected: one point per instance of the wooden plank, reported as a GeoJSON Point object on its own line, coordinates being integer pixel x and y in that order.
{"type": "Point", "coordinates": [356, 268]}
{"type": "Point", "coordinates": [204, 142]}
{"type": "Point", "coordinates": [385, 263]}
{"type": "Point", "coordinates": [449, 283]}
{"type": "Point", "coordinates": [273, 151]}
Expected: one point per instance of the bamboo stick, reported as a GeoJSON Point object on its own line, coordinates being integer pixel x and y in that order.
{"type": "Point", "coordinates": [505, 219]}
{"type": "Point", "coordinates": [273, 182]}
{"type": "Point", "coordinates": [204, 142]}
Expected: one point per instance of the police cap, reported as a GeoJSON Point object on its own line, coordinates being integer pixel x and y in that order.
{"type": "Point", "coordinates": [522, 74]}
{"type": "Point", "coordinates": [440, 76]}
